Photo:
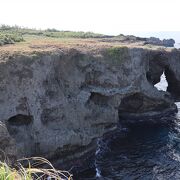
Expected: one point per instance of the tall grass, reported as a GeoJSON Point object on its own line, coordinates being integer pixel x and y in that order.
{"type": "Point", "coordinates": [32, 172]}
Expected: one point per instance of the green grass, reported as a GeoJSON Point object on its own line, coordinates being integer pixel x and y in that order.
{"type": "Point", "coordinates": [32, 172]}
{"type": "Point", "coordinates": [11, 34]}
{"type": "Point", "coordinates": [10, 38]}
{"type": "Point", "coordinates": [117, 54]}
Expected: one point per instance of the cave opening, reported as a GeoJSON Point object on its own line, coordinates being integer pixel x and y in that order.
{"type": "Point", "coordinates": [20, 128]}
{"type": "Point", "coordinates": [162, 85]}
{"type": "Point", "coordinates": [19, 120]}
{"type": "Point", "coordinates": [98, 99]}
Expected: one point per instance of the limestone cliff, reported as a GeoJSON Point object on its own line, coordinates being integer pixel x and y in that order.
{"type": "Point", "coordinates": [55, 104]}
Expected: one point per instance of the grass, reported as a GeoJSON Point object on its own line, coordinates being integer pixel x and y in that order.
{"type": "Point", "coordinates": [32, 172]}
{"type": "Point", "coordinates": [14, 34]}
{"type": "Point", "coordinates": [54, 33]}
{"type": "Point", "coordinates": [30, 41]}
{"type": "Point", "coordinates": [9, 35]}
{"type": "Point", "coordinates": [117, 54]}
{"type": "Point", "coordinates": [10, 38]}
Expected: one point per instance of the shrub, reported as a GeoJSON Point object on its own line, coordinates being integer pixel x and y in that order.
{"type": "Point", "coordinates": [6, 38]}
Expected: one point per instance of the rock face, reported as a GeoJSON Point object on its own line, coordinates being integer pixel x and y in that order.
{"type": "Point", "coordinates": [56, 104]}
{"type": "Point", "coordinates": [8, 146]}
{"type": "Point", "coordinates": [158, 42]}
{"type": "Point", "coordinates": [133, 39]}
{"type": "Point", "coordinates": [169, 63]}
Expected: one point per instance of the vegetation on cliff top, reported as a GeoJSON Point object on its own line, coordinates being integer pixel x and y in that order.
{"type": "Point", "coordinates": [117, 54]}
{"type": "Point", "coordinates": [12, 34]}
{"type": "Point", "coordinates": [8, 37]}
{"type": "Point", "coordinates": [32, 40]}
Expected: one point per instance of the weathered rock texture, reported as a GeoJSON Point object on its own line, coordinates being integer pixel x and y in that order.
{"type": "Point", "coordinates": [8, 146]}
{"type": "Point", "coordinates": [56, 104]}
{"type": "Point", "coordinates": [169, 63]}
{"type": "Point", "coordinates": [158, 42]}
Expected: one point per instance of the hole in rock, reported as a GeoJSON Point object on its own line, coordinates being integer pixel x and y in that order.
{"type": "Point", "coordinates": [20, 128]}
{"type": "Point", "coordinates": [162, 85]}
{"type": "Point", "coordinates": [141, 103]}
{"type": "Point", "coordinates": [131, 103]}
{"type": "Point", "coordinates": [99, 99]}
{"type": "Point", "coordinates": [20, 119]}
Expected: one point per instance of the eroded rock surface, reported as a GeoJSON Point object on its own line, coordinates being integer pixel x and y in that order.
{"type": "Point", "coordinates": [169, 63]}
{"type": "Point", "coordinates": [158, 42]}
{"type": "Point", "coordinates": [7, 145]}
{"type": "Point", "coordinates": [56, 104]}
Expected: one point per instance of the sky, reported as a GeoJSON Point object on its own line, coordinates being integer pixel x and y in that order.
{"type": "Point", "coordinates": [102, 16]}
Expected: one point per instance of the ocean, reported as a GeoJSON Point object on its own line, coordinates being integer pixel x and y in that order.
{"type": "Point", "coordinates": [146, 153]}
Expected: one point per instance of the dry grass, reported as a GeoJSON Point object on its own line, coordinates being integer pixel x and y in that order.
{"type": "Point", "coordinates": [34, 44]}
{"type": "Point", "coordinates": [52, 40]}
{"type": "Point", "coordinates": [32, 172]}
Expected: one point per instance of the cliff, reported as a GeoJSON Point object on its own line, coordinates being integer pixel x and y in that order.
{"type": "Point", "coordinates": [57, 98]}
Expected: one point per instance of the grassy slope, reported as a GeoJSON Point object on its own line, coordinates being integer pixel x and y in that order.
{"type": "Point", "coordinates": [17, 34]}
{"type": "Point", "coordinates": [10, 35]}
{"type": "Point", "coordinates": [31, 41]}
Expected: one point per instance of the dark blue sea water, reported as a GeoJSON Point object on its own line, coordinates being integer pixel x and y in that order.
{"type": "Point", "coordinates": [145, 153]}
